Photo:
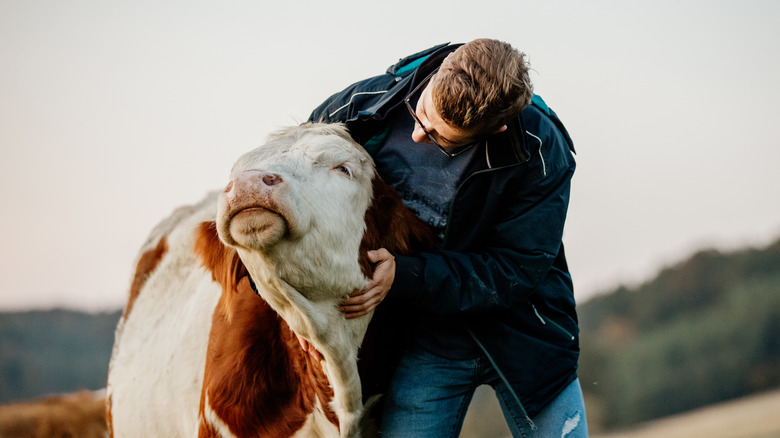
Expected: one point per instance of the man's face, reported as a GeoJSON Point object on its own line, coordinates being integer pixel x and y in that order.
{"type": "Point", "coordinates": [448, 136]}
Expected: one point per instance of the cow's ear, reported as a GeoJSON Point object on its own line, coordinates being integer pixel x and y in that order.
{"type": "Point", "coordinates": [222, 261]}
{"type": "Point", "coordinates": [390, 225]}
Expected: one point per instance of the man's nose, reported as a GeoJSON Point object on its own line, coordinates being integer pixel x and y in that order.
{"type": "Point", "coordinates": [419, 135]}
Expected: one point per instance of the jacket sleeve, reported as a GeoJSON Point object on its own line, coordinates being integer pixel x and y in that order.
{"type": "Point", "coordinates": [515, 260]}
{"type": "Point", "coordinates": [336, 108]}
{"type": "Point", "coordinates": [347, 105]}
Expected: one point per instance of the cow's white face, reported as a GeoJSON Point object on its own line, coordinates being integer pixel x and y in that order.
{"type": "Point", "coordinates": [299, 202]}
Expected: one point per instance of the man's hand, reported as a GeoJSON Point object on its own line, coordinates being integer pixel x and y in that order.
{"type": "Point", "coordinates": [307, 347]}
{"type": "Point", "coordinates": [365, 300]}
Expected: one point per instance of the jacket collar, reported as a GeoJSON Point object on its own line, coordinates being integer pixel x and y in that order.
{"type": "Point", "coordinates": [509, 147]}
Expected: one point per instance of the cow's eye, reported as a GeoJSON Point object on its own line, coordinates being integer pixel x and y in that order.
{"type": "Point", "coordinates": [344, 169]}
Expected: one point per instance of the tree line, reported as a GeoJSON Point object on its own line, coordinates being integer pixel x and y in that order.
{"type": "Point", "coordinates": [703, 331]}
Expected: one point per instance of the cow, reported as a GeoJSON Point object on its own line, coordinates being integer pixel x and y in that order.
{"type": "Point", "coordinates": [208, 343]}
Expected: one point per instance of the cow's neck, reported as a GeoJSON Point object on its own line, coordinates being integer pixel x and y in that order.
{"type": "Point", "coordinates": [317, 273]}
{"type": "Point", "coordinates": [322, 324]}
{"type": "Point", "coordinates": [249, 346]}
{"type": "Point", "coordinates": [286, 300]}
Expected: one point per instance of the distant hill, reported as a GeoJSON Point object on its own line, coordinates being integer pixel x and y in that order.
{"type": "Point", "coordinates": [703, 331]}
{"type": "Point", "coordinates": [56, 351]}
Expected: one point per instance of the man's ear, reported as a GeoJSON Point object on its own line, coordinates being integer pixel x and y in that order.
{"type": "Point", "coordinates": [501, 129]}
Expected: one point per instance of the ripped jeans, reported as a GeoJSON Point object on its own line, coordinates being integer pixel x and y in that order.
{"type": "Point", "coordinates": [429, 397]}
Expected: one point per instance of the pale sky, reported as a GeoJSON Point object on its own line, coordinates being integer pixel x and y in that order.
{"type": "Point", "coordinates": [113, 113]}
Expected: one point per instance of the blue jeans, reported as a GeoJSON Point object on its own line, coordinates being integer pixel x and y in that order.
{"type": "Point", "coordinates": [429, 396]}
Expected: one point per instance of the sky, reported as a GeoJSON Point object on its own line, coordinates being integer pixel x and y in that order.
{"type": "Point", "coordinates": [114, 113]}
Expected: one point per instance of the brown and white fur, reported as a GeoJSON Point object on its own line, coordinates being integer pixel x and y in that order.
{"type": "Point", "coordinates": [198, 353]}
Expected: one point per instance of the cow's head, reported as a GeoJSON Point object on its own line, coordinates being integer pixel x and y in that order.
{"type": "Point", "coordinates": [298, 204]}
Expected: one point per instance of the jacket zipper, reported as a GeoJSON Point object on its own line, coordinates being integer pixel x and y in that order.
{"type": "Point", "coordinates": [501, 375]}
{"type": "Point", "coordinates": [544, 319]}
{"type": "Point", "coordinates": [489, 169]}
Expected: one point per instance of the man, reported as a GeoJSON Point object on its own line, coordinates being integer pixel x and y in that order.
{"type": "Point", "coordinates": [457, 131]}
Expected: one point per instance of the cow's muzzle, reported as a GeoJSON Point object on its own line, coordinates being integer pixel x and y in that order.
{"type": "Point", "coordinates": [251, 214]}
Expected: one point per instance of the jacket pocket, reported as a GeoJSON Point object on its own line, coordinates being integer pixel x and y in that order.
{"type": "Point", "coordinates": [545, 320]}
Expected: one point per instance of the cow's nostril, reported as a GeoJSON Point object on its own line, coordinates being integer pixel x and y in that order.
{"type": "Point", "coordinates": [271, 179]}
{"type": "Point", "coordinates": [229, 187]}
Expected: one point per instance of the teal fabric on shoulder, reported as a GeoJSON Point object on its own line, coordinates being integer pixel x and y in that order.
{"type": "Point", "coordinates": [538, 102]}
{"type": "Point", "coordinates": [403, 71]}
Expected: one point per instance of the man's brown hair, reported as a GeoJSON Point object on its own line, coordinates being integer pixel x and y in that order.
{"type": "Point", "coordinates": [482, 85]}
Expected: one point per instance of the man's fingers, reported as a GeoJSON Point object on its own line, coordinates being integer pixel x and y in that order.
{"type": "Point", "coordinates": [360, 296]}
{"type": "Point", "coordinates": [379, 255]}
{"type": "Point", "coordinates": [363, 301]}
{"type": "Point", "coordinates": [314, 353]}
{"type": "Point", "coordinates": [357, 310]}
{"type": "Point", "coordinates": [357, 307]}
{"type": "Point", "coordinates": [303, 342]}
{"type": "Point", "coordinates": [309, 348]}
{"type": "Point", "coordinates": [354, 315]}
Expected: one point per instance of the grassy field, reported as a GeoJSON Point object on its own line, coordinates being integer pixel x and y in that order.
{"type": "Point", "coordinates": [751, 417]}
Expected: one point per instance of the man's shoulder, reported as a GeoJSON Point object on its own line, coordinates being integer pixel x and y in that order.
{"type": "Point", "coordinates": [343, 105]}
{"type": "Point", "coordinates": [540, 121]}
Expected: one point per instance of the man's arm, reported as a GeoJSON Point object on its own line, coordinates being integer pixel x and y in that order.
{"type": "Point", "coordinates": [506, 270]}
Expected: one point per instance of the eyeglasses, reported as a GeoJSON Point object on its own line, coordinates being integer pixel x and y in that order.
{"type": "Point", "coordinates": [407, 99]}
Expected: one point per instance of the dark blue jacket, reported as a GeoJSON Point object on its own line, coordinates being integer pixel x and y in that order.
{"type": "Point", "coordinates": [501, 269]}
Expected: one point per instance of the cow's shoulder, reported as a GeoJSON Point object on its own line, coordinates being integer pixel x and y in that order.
{"type": "Point", "coordinates": [170, 241]}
